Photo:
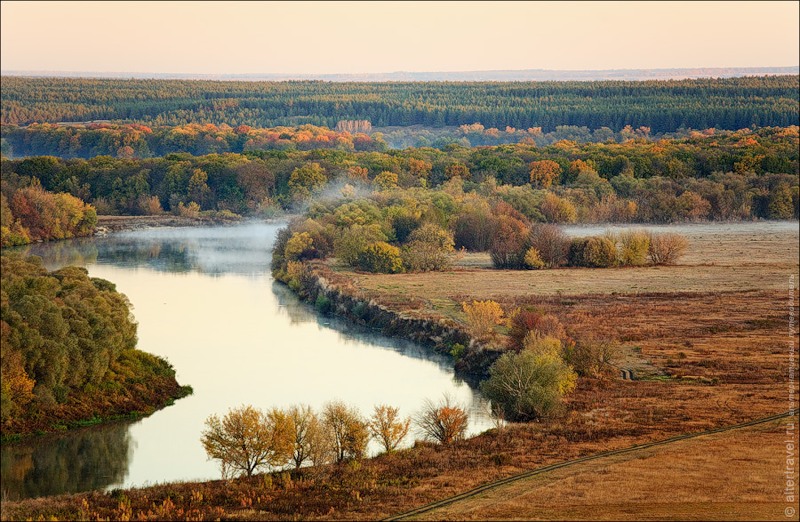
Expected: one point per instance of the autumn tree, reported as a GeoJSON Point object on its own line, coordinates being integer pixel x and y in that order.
{"type": "Point", "coordinates": [246, 440]}
{"type": "Point", "coordinates": [351, 241]}
{"type": "Point", "coordinates": [474, 225]}
{"type": "Point", "coordinates": [385, 180]}
{"type": "Point", "coordinates": [387, 427]}
{"type": "Point", "coordinates": [306, 180]}
{"type": "Point", "coordinates": [551, 242]}
{"type": "Point", "coordinates": [444, 422]}
{"type": "Point", "coordinates": [345, 430]}
{"type": "Point", "coordinates": [509, 242]}
{"type": "Point", "coordinates": [309, 439]}
{"type": "Point", "coordinates": [544, 172]}
{"type": "Point", "coordinates": [456, 170]}
{"type": "Point", "coordinates": [558, 210]}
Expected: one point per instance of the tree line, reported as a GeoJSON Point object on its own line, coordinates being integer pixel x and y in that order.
{"type": "Point", "coordinates": [713, 175]}
{"type": "Point", "coordinates": [664, 106]}
{"type": "Point", "coordinates": [247, 440]}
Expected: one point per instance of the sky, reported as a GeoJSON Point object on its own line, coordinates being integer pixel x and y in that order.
{"type": "Point", "coordinates": [374, 37]}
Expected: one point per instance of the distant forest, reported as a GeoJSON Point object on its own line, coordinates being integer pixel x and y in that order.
{"type": "Point", "coordinates": [663, 106]}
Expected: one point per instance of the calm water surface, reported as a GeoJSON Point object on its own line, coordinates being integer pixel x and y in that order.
{"type": "Point", "coordinates": [205, 300]}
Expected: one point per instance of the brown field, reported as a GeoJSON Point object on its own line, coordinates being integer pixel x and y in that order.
{"type": "Point", "coordinates": [708, 339]}
{"type": "Point", "coordinates": [687, 480]}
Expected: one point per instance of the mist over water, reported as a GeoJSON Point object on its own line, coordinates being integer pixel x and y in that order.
{"type": "Point", "coordinates": [205, 300]}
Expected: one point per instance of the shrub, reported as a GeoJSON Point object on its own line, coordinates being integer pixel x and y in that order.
{"type": "Point", "coordinates": [528, 385]}
{"type": "Point", "coordinates": [323, 304]}
{"type": "Point", "coordinates": [380, 257]}
{"type": "Point", "coordinates": [429, 249]}
{"type": "Point", "coordinates": [533, 260]}
{"type": "Point", "coordinates": [525, 321]}
{"type": "Point", "coordinates": [593, 252]}
{"type": "Point", "coordinates": [599, 252]}
{"type": "Point", "coordinates": [634, 245]}
{"type": "Point", "coordinates": [457, 351]}
{"type": "Point", "coordinates": [592, 357]}
{"type": "Point", "coordinates": [575, 252]}
{"type": "Point", "coordinates": [482, 317]}
{"type": "Point", "coordinates": [666, 249]}
{"type": "Point", "coordinates": [551, 242]}
{"type": "Point", "coordinates": [540, 344]}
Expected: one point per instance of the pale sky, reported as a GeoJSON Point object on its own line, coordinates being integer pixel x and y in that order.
{"type": "Point", "coordinates": [372, 37]}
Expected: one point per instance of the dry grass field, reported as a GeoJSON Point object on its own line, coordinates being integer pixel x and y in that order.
{"type": "Point", "coordinates": [714, 262]}
{"type": "Point", "coordinates": [687, 480]}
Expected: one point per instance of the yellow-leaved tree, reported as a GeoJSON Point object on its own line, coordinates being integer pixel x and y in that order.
{"type": "Point", "coordinates": [247, 439]}
{"type": "Point", "coordinates": [482, 317]}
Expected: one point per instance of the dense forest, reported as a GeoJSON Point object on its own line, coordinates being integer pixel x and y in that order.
{"type": "Point", "coordinates": [663, 106]}
{"type": "Point", "coordinates": [69, 350]}
{"type": "Point", "coordinates": [710, 175]}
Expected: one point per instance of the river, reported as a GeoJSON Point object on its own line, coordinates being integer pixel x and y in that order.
{"type": "Point", "coordinates": [204, 299]}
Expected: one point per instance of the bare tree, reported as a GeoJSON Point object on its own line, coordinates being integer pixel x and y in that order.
{"type": "Point", "coordinates": [444, 422]}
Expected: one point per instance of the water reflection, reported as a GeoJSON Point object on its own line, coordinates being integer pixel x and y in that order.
{"type": "Point", "coordinates": [66, 463]}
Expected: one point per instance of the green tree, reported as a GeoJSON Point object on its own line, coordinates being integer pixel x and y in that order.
{"type": "Point", "coordinates": [529, 385]}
